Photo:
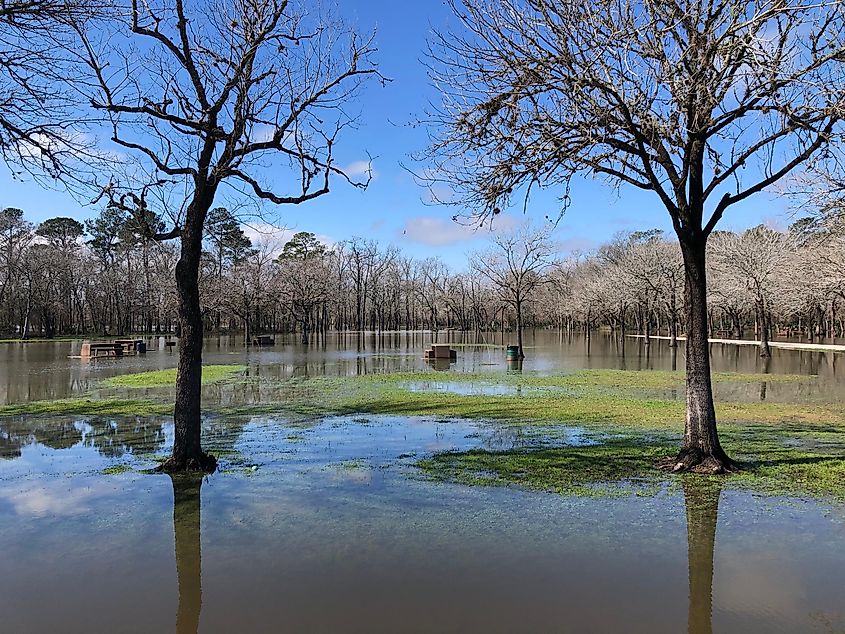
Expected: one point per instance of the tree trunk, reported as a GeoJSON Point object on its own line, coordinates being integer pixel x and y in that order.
{"type": "Point", "coordinates": [305, 329]}
{"type": "Point", "coordinates": [519, 328]}
{"type": "Point", "coordinates": [187, 449]}
{"type": "Point", "coordinates": [765, 350]}
{"type": "Point", "coordinates": [700, 451]}
{"type": "Point", "coordinates": [737, 326]}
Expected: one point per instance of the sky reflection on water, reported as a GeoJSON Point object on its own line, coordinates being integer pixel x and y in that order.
{"type": "Point", "coordinates": [333, 530]}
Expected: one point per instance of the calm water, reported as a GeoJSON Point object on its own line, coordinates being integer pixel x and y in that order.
{"type": "Point", "coordinates": [326, 526]}
{"type": "Point", "coordinates": [48, 370]}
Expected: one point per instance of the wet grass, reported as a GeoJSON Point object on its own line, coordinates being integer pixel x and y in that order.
{"type": "Point", "coordinates": [600, 378]}
{"type": "Point", "coordinates": [165, 378]}
{"type": "Point", "coordinates": [618, 467]}
{"type": "Point", "coordinates": [89, 407]}
{"type": "Point", "coordinates": [773, 464]}
{"type": "Point", "coordinates": [116, 469]}
{"type": "Point", "coordinates": [786, 448]}
{"type": "Point", "coordinates": [603, 397]}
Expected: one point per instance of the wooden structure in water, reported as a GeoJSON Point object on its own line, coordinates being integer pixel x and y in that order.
{"type": "Point", "coordinates": [440, 351]}
{"type": "Point", "coordinates": [263, 340]}
{"type": "Point", "coordinates": [116, 348]}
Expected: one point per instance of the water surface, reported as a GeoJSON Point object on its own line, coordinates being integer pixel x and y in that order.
{"type": "Point", "coordinates": [327, 526]}
{"type": "Point", "coordinates": [50, 370]}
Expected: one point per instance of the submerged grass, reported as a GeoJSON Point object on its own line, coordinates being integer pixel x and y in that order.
{"type": "Point", "coordinates": [773, 464]}
{"type": "Point", "coordinates": [591, 397]}
{"type": "Point", "coordinates": [786, 448]}
{"type": "Point", "coordinates": [615, 468]}
{"type": "Point", "coordinates": [164, 378]}
{"type": "Point", "coordinates": [89, 407]}
{"type": "Point", "coordinates": [116, 469]}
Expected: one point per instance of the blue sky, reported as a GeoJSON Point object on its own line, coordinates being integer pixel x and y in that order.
{"type": "Point", "coordinates": [393, 209]}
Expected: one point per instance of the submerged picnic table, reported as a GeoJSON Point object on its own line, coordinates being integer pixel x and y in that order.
{"type": "Point", "coordinates": [116, 348]}
{"type": "Point", "coordinates": [101, 348]}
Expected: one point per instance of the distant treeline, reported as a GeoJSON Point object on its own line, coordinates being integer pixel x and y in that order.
{"type": "Point", "coordinates": [63, 277]}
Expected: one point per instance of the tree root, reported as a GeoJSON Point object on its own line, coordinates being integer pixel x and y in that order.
{"type": "Point", "coordinates": [206, 463]}
{"type": "Point", "coordinates": [695, 460]}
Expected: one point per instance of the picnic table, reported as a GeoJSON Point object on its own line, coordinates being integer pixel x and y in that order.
{"type": "Point", "coordinates": [101, 348]}
{"type": "Point", "coordinates": [130, 346]}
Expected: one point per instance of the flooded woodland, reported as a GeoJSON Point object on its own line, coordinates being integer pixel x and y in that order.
{"type": "Point", "coordinates": [320, 518]}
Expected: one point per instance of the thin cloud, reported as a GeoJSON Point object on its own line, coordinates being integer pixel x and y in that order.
{"type": "Point", "coordinates": [438, 231]}
{"type": "Point", "coordinates": [266, 233]}
{"type": "Point", "coordinates": [359, 169]}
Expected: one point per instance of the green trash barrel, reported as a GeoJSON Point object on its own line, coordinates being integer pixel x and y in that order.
{"type": "Point", "coordinates": [513, 352]}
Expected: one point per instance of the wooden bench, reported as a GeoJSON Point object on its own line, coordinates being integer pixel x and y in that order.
{"type": "Point", "coordinates": [263, 340]}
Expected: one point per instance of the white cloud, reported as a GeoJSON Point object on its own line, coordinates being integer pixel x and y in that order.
{"type": "Point", "coordinates": [439, 231]}
{"type": "Point", "coordinates": [359, 169]}
{"type": "Point", "coordinates": [275, 237]}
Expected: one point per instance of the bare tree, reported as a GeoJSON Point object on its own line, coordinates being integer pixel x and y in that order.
{"type": "Point", "coordinates": [41, 127]}
{"type": "Point", "coordinates": [208, 94]}
{"type": "Point", "coordinates": [754, 264]}
{"type": "Point", "coordinates": [516, 265]}
{"type": "Point", "coordinates": [703, 103]}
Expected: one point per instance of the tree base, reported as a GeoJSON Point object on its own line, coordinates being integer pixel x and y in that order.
{"type": "Point", "coordinates": [206, 463]}
{"type": "Point", "coordinates": [695, 460]}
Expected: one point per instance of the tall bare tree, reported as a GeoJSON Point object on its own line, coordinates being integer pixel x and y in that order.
{"type": "Point", "coordinates": [209, 94]}
{"type": "Point", "coordinates": [754, 263]}
{"type": "Point", "coordinates": [703, 103]}
{"type": "Point", "coordinates": [516, 265]}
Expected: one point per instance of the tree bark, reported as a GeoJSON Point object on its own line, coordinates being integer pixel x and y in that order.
{"type": "Point", "coordinates": [519, 328]}
{"type": "Point", "coordinates": [187, 449]}
{"type": "Point", "coordinates": [700, 451]}
{"type": "Point", "coordinates": [765, 350]}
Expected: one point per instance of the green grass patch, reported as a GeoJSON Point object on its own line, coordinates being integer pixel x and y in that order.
{"type": "Point", "coordinates": [800, 462]}
{"type": "Point", "coordinates": [613, 468]}
{"type": "Point", "coordinates": [116, 469]}
{"type": "Point", "coordinates": [43, 339]}
{"type": "Point", "coordinates": [89, 407]}
{"type": "Point", "coordinates": [778, 463]}
{"type": "Point", "coordinates": [165, 378]}
{"type": "Point", "coordinates": [590, 397]}
{"type": "Point", "coordinates": [602, 378]}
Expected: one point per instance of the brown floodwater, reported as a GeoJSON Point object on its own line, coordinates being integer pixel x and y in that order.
{"type": "Point", "coordinates": [327, 526]}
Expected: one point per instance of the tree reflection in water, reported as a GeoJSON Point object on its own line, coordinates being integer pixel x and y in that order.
{"type": "Point", "coordinates": [702, 505]}
{"type": "Point", "coordinates": [186, 530]}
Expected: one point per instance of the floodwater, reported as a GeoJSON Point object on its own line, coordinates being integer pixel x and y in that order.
{"type": "Point", "coordinates": [49, 370]}
{"type": "Point", "coordinates": [327, 526]}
